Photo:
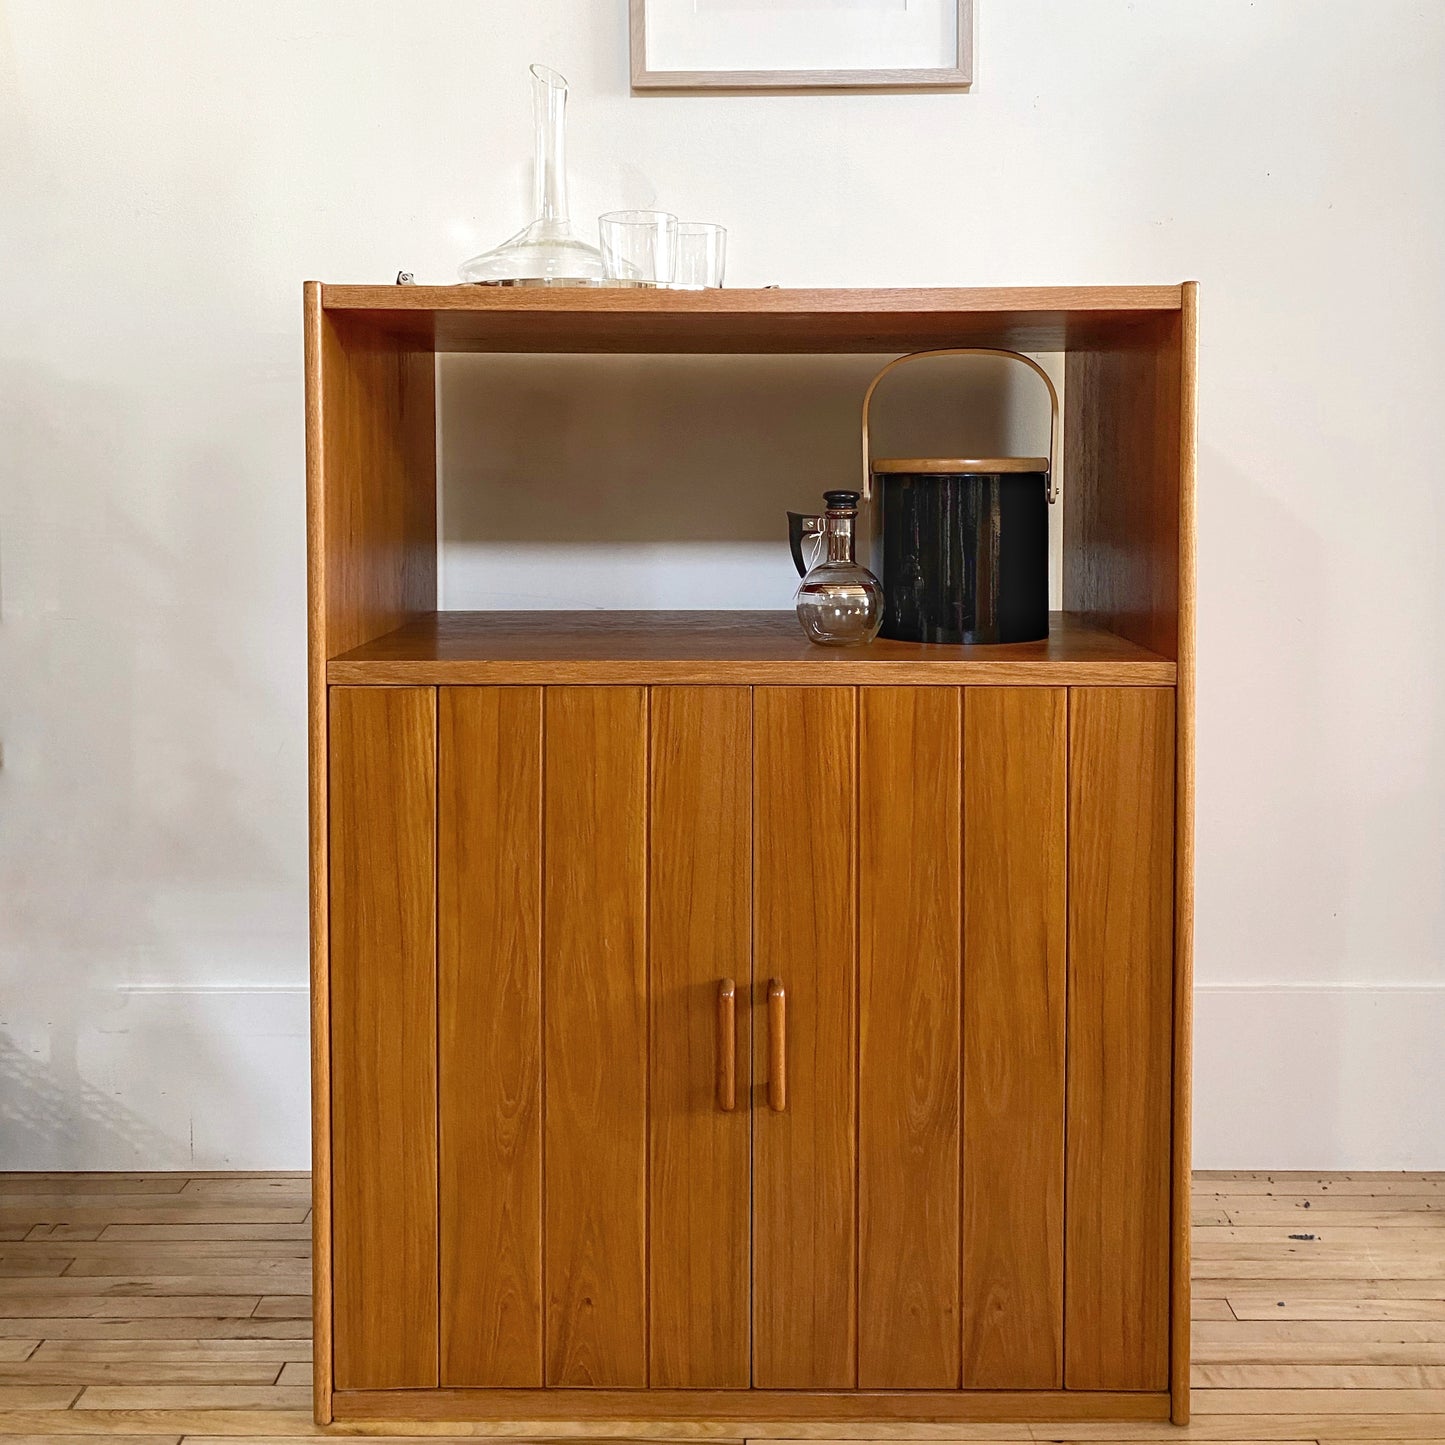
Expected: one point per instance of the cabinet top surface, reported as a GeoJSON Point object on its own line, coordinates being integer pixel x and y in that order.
{"type": "Point", "coordinates": [722, 647]}
{"type": "Point", "coordinates": [480, 318]}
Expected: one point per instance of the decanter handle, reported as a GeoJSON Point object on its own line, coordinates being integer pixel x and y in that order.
{"type": "Point", "coordinates": [800, 526]}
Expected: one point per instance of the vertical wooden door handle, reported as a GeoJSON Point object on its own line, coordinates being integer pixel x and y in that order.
{"type": "Point", "coordinates": [727, 1046]}
{"type": "Point", "coordinates": [777, 1046]}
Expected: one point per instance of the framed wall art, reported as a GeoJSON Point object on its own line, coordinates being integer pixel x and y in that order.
{"type": "Point", "coordinates": [801, 44]}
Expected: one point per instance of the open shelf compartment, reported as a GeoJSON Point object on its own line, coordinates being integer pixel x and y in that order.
{"type": "Point", "coordinates": [371, 434]}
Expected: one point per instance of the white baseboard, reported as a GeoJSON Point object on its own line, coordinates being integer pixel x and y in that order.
{"type": "Point", "coordinates": [1346, 1076]}
{"type": "Point", "coordinates": [166, 1076]}
{"type": "Point", "coordinates": [159, 1076]}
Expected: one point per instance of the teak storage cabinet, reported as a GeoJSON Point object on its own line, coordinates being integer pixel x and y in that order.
{"type": "Point", "coordinates": [712, 1027]}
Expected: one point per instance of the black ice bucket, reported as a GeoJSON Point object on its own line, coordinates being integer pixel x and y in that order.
{"type": "Point", "coordinates": [961, 544]}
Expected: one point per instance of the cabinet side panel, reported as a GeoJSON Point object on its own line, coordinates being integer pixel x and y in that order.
{"type": "Point", "coordinates": [317, 734]}
{"type": "Point", "coordinates": [383, 1036]}
{"type": "Point", "coordinates": [1184, 866]}
{"type": "Point", "coordinates": [489, 1015]}
{"type": "Point", "coordinates": [370, 564]}
{"type": "Point", "coordinates": [1121, 479]}
{"type": "Point", "coordinates": [700, 1169]}
{"type": "Point", "coordinates": [595, 1035]}
{"type": "Point", "coordinates": [909, 753]}
{"type": "Point", "coordinates": [804, 1155]}
{"type": "Point", "coordinates": [374, 539]}
{"type": "Point", "coordinates": [1121, 953]}
{"type": "Point", "coordinates": [1015, 997]}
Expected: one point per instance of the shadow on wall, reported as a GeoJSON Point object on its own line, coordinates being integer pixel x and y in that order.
{"type": "Point", "coordinates": [48, 1111]}
{"type": "Point", "coordinates": [566, 478]}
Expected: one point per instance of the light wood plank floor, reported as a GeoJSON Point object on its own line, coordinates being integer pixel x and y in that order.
{"type": "Point", "coordinates": [154, 1308]}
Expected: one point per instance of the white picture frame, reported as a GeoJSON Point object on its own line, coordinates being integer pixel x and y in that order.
{"type": "Point", "coordinates": [801, 44]}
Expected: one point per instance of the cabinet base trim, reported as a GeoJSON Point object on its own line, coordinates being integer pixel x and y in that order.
{"type": "Point", "coordinates": [517, 1412]}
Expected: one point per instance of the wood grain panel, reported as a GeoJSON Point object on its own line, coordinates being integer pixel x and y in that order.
{"type": "Point", "coordinates": [489, 1019]}
{"type": "Point", "coordinates": [823, 1417]}
{"type": "Point", "coordinates": [700, 1170]}
{"type": "Point", "coordinates": [909, 972]}
{"type": "Point", "coordinates": [1122, 433]}
{"type": "Point", "coordinates": [1014, 1003]}
{"type": "Point", "coordinates": [1121, 954]}
{"type": "Point", "coordinates": [373, 469]}
{"type": "Point", "coordinates": [383, 1036]}
{"type": "Point", "coordinates": [804, 934]}
{"type": "Point", "coordinates": [698, 648]}
{"type": "Point", "coordinates": [476, 318]}
{"type": "Point", "coordinates": [595, 1035]}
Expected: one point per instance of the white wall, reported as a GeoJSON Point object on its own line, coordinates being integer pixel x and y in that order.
{"type": "Point", "coordinates": [171, 171]}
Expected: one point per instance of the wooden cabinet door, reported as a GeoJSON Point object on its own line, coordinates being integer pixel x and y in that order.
{"type": "Point", "coordinates": [700, 947]}
{"type": "Point", "coordinates": [1121, 953]}
{"type": "Point", "coordinates": [804, 1134]}
{"type": "Point", "coordinates": [382, 825]}
{"type": "Point", "coordinates": [594, 875]}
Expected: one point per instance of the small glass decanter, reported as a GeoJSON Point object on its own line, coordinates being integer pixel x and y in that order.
{"type": "Point", "coordinates": [548, 252]}
{"type": "Point", "coordinates": [839, 602]}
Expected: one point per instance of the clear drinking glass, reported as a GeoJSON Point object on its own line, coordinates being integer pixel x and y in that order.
{"type": "Point", "coordinates": [701, 255]}
{"type": "Point", "coordinates": [639, 247]}
{"type": "Point", "coordinates": [548, 252]}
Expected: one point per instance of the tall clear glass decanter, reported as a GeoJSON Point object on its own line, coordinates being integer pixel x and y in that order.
{"type": "Point", "coordinates": [548, 252]}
